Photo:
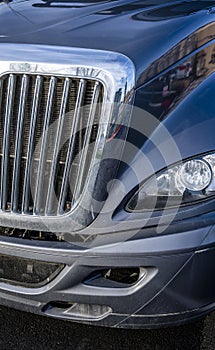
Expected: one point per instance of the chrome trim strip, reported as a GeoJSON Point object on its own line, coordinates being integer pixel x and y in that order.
{"type": "Point", "coordinates": [26, 188]}
{"type": "Point", "coordinates": [1, 88]}
{"type": "Point", "coordinates": [6, 141]}
{"type": "Point", "coordinates": [50, 198]}
{"type": "Point", "coordinates": [93, 106]}
{"type": "Point", "coordinates": [17, 159]}
{"type": "Point", "coordinates": [74, 128]}
{"type": "Point", "coordinates": [43, 146]}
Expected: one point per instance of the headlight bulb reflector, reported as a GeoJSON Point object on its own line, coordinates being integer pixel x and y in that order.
{"type": "Point", "coordinates": [195, 175]}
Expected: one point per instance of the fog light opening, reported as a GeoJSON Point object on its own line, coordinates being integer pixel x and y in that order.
{"type": "Point", "coordinates": [127, 276]}
{"type": "Point", "coordinates": [116, 277]}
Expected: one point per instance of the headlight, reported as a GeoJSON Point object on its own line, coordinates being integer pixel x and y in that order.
{"type": "Point", "coordinates": [180, 184]}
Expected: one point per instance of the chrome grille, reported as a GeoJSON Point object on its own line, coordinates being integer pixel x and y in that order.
{"type": "Point", "coordinates": [48, 129]}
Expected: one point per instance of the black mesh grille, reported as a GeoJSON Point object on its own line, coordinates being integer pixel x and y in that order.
{"type": "Point", "coordinates": [27, 272]}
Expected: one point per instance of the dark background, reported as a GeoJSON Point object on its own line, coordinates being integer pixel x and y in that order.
{"type": "Point", "coordinates": [21, 330]}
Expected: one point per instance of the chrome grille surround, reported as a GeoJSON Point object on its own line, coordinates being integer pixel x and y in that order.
{"type": "Point", "coordinates": [110, 73]}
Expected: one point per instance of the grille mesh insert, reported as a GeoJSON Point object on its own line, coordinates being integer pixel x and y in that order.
{"type": "Point", "coordinates": [48, 129]}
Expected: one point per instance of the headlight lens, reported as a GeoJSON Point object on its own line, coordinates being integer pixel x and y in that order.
{"type": "Point", "coordinates": [181, 184]}
{"type": "Point", "coordinates": [195, 175]}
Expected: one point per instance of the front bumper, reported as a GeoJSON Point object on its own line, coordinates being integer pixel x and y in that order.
{"type": "Point", "coordinates": [178, 285]}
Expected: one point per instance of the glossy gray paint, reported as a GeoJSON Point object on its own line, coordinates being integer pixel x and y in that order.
{"type": "Point", "coordinates": [158, 37]}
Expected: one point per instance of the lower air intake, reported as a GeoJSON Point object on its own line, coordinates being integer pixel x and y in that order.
{"type": "Point", "coordinates": [26, 272]}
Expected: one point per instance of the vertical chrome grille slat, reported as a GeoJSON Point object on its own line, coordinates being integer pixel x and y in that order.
{"type": "Point", "coordinates": [6, 140]}
{"type": "Point", "coordinates": [18, 144]}
{"type": "Point", "coordinates": [77, 112]}
{"type": "Point", "coordinates": [30, 150]}
{"type": "Point", "coordinates": [1, 92]}
{"type": "Point", "coordinates": [38, 188]}
{"type": "Point", "coordinates": [57, 145]}
{"type": "Point", "coordinates": [86, 142]}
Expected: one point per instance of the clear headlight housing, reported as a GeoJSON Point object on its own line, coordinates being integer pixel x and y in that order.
{"type": "Point", "coordinates": [181, 184]}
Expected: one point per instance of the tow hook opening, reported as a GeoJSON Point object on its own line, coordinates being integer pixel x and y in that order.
{"type": "Point", "coordinates": [76, 310]}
